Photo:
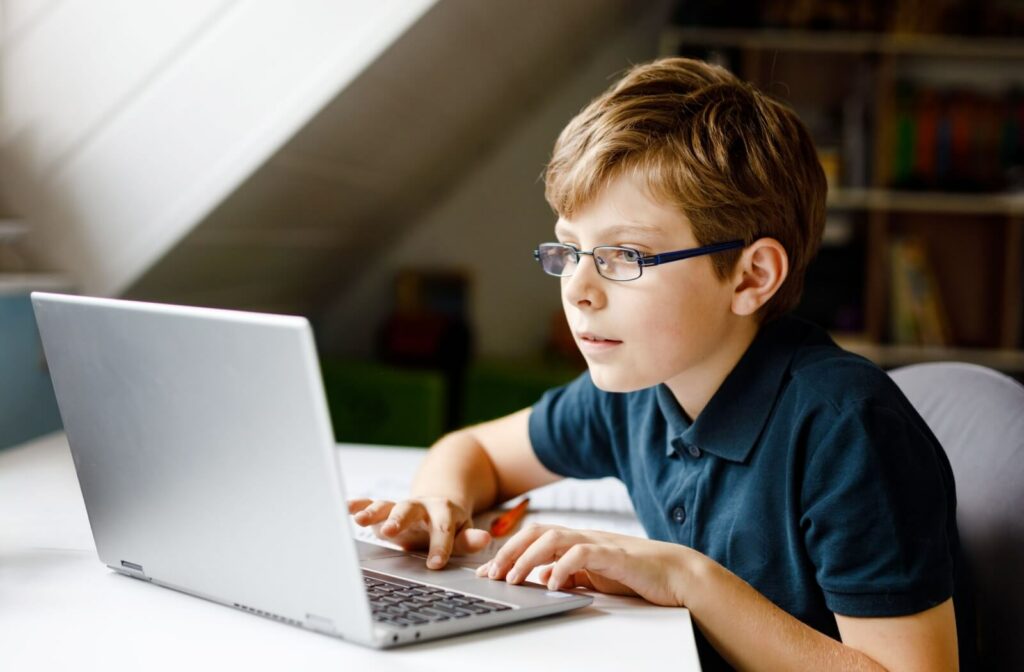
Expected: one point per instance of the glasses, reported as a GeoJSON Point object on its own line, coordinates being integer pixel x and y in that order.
{"type": "Point", "coordinates": [616, 263]}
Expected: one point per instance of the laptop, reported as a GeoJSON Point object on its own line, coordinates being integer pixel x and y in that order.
{"type": "Point", "coordinates": [205, 455]}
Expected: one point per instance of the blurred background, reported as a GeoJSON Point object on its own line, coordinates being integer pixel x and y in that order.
{"type": "Point", "coordinates": [376, 167]}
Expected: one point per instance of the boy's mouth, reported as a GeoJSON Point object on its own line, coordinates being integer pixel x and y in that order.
{"type": "Point", "coordinates": [588, 337]}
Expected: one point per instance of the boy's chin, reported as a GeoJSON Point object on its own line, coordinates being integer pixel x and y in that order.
{"type": "Point", "coordinates": [608, 381]}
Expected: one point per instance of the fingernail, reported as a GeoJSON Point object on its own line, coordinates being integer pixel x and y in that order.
{"type": "Point", "coordinates": [552, 585]}
{"type": "Point", "coordinates": [512, 576]}
{"type": "Point", "coordinates": [436, 562]}
{"type": "Point", "coordinates": [482, 569]}
{"type": "Point", "coordinates": [493, 572]}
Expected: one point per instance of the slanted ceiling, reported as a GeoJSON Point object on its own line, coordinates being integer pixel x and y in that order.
{"type": "Point", "coordinates": [383, 152]}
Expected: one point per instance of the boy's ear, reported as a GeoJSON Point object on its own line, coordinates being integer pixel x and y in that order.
{"type": "Point", "coordinates": [758, 274]}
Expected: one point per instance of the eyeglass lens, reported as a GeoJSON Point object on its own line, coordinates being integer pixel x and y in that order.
{"type": "Point", "coordinates": [614, 263]}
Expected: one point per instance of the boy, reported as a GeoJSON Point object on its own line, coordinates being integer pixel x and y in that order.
{"type": "Point", "coordinates": [795, 502]}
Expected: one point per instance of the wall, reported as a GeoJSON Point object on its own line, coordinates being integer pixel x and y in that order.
{"type": "Point", "coordinates": [124, 123]}
{"type": "Point", "coordinates": [489, 225]}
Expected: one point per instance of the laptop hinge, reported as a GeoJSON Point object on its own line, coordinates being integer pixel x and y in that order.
{"type": "Point", "coordinates": [133, 569]}
{"type": "Point", "coordinates": [320, 624]}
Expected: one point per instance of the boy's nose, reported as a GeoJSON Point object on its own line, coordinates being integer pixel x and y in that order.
{"type": "Point", "coordinates": [583, 288]}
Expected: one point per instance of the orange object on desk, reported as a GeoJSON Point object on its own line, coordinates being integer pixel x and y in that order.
{"type": "Point", "coordinates": [504, 523]}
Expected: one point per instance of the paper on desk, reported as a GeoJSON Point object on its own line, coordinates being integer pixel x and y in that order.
{"type": "Point", "coordinates": [604, 495]}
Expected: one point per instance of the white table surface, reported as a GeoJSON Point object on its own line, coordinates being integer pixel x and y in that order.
{"type": "Point", "coordinates": [61, 609]}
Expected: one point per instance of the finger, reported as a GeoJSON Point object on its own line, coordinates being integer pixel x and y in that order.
{"type": "Point", "coordinates": [357, 505]}
{"type": "Point", "coordinates": [549, 547]}
{"type": "Point", "coordinates": [442, 536]}
{"type": "Point", "coordinates": [374, 513]}
{"type": "Point", "coordinates": [513, 548]}
{"type": "Point", "coordinates": [591, 557]}
{"type": "Point", "coordinates": [402, 517]}
{"type": "Point", "coordinates": [471, 540]}
{"type": "Point", "coordinates": [576, 580]}
{"type": "Point", "coordinates": [415, 539]}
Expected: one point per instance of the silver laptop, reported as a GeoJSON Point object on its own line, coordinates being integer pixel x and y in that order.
{"type": "Point", "coordinates": [207, 462]}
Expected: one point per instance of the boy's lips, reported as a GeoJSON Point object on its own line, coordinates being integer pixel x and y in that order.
{"type": "Point", "coordinates": [590, 336]}
{"type": "Point", "coordinates": [591, 343]}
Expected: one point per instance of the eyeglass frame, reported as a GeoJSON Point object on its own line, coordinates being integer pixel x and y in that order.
{"type": "Point", "coordinates": [642, 259]}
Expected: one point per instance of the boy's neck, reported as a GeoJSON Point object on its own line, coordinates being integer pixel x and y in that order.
{"type": "Point", "coordinates": [694, 388]}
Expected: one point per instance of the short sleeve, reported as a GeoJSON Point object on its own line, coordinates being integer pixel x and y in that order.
{"type": "Point", "coordinates": [877, 498]}
{"type": "Point", "coordinates": [569, 430]}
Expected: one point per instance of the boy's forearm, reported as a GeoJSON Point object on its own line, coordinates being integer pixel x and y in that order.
{"type": "Point", "coordinates": [751, 632]}
{"type": "Point", "coordinates": [458, 468]}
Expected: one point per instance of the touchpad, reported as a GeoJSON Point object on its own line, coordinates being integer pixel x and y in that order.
{"type": "Point", "coordinates": [370, 551]}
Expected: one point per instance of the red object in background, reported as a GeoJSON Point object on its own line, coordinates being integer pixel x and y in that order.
{"type": "Point", "coordinates": [925, 161]}
{"type": "Point", "coordinates": [961, 115]}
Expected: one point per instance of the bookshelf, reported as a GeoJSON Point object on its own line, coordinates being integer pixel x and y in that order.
{"type": "Point", "coordinates": [838, 41]}
{"type": "Point", "coordinates": [875, 103]}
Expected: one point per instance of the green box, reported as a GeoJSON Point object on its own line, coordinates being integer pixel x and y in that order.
{"type": "Point", "coordinates": [374, 403]}
{"type": "Point", "coordinates": [497, 388]}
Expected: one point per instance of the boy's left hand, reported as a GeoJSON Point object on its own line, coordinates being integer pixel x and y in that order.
{"type": "Point", "coordinates": [609, 563]}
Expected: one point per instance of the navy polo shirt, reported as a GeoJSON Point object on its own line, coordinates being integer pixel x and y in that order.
{"type": "Point", "coordinates": [808, 474]}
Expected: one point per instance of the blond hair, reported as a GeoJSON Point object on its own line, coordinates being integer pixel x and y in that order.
{"type": "Point", "coordinates": [738, 164]}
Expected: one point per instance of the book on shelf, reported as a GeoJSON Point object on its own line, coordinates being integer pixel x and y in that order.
{"type": "Point", "coordinates": [917, 313]}
{"type": "Point", "coordinates": [956, 139]}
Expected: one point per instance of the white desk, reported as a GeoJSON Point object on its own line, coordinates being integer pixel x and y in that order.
{"type": "Point", "coordinates": [61, 609]}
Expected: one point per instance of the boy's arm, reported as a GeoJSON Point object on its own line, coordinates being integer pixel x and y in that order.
{"type": "Point", "coordinates": [483, 465]}
{"type": "Point", "coordinates": [744, 626]}
{"type": "Point", "coordinates": [466, 471]}
{"type": "Point", "coordinates": [752, 633]}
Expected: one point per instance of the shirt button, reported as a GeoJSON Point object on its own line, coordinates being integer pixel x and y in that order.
{"type": "Point", "coordinates": [693, 450]}
{"type": "Point", "coordinates": [679, 514]}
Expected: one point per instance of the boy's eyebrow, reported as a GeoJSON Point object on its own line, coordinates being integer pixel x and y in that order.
{"type": "Point", "coordinates": [617, 230]}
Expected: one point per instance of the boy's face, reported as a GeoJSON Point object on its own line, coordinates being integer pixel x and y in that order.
{"type": "Point", "coordinates": [671, 321]}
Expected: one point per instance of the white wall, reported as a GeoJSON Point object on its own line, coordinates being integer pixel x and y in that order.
{"type": "Point", "coordinates": [489, 225]}
{"type": "Point", "coordinates": [123, 123]}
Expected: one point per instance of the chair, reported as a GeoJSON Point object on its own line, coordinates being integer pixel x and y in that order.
{"type": "Point", "coordinates": [977, 415]}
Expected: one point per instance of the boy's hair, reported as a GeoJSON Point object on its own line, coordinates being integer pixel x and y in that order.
{"type": "Point", "coordinates": [738, 164]}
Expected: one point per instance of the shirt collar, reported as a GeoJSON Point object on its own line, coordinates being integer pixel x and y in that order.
{"type": "Point", "coordinates": [731, 423]}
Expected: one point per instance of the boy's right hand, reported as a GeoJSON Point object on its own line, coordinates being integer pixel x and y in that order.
{"type": "Point", "coordinates": [437, 523]}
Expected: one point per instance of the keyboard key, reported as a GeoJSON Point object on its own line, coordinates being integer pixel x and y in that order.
{"type": "Point", "coordinates": [433, 614]}
{"type": "Point", "coordinates": [451, 611]}
{"type": "Point", "coordinates": [477, 609]}
{"type": "Point", "coordinates": [422, 599]}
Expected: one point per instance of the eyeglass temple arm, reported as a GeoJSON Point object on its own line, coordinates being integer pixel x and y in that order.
{"type": "Point", "coordinates": [665, 257]}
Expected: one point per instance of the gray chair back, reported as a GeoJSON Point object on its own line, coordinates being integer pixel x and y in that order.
{"type": "Point", "coordinates": [977, 415]}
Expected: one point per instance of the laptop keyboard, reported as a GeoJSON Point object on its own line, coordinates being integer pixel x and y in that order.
{"type": "Point", "coordinates": [403, 603]}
